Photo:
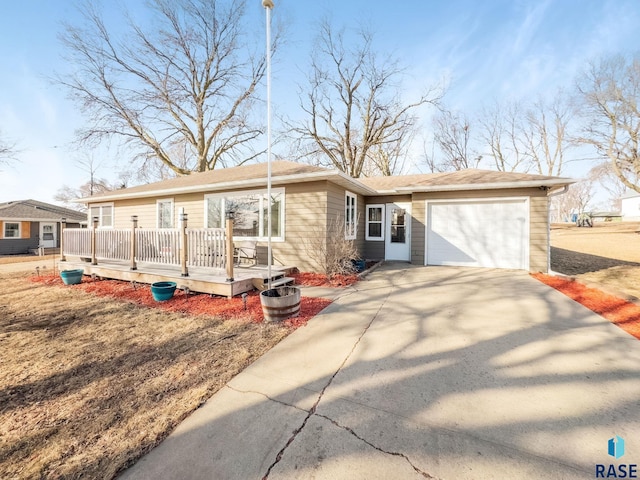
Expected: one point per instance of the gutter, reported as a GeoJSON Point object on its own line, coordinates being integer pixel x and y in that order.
{"type": "Point", "coordinates": [559, 192]}
{"type": "Point", "coordinates": [485, 186]}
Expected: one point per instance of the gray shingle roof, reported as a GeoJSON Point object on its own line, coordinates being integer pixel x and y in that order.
{"type": "Point", "coordinates": [222, 176]}
{"type": "Point", "coordinates": [285, 172]}
{"type": "Point", "coordinates": [35, 210]}
{"type": "Point", "coordinates": [461, 178]}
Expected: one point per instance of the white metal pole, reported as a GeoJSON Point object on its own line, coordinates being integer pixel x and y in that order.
{"type": "Point", "coordinates": [268, 5]}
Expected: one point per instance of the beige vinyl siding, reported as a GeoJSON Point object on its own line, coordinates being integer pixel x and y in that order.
{"type": "Point", "coordinates": [538, 233]}
{"type": "Point", "coordinates": [418, 231]}
{"type": "Point", "coordinates": [146, 210]}
{"type": "Point", "coordinates": [336, 207]}
{"type": "Point", "coordinates": [305, 207]}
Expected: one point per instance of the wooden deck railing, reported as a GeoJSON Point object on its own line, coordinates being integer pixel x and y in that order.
{"type": "Point", "coordinates": [113, 244]}
{"type": "Point", "coordinates": [77, 242]}
{"type": "Point", "coordinates": [158, 246]}
{"type": "Point", "coordinates": [206, 247]}
{"type": "Point", "coordinates": [186, 247]}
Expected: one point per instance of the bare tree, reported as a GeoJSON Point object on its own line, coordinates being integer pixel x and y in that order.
{"type": "Point", "coordinates": [353, 106]}
{"type": "Point", "coordinates": [546, 133]}
{"type": "Point", "coordinates": [389, 158]}
{"type": "Point", "coordinates": [524, 138]}
{"type": "Point", "coordinates": [452, 135]}
{"type": "Point", "coordinates": [186, 80]}
{"type": "Point", "coordinates": [430, 158]}
{"type": "Point", "coordinates": [501, 130]}
{"type": "Point", "coordinates": [574, 201]}
{"type": "Point", "coordinates": [8, 151]}
{"type": "Point", "coordinates": [610, 91]}
{"type": "Point", "coordinates": [94, 186]}
{"type": "Point", "coordinates": [605, 176]}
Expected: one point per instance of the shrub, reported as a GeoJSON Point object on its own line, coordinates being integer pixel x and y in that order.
{"type": "Point", "coordinates": [330, 251]}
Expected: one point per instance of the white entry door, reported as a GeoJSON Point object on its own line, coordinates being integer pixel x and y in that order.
{"type": "Point", "coordinates": [397, 240]}
{"type": "Point", "coordinates": [47, 235]}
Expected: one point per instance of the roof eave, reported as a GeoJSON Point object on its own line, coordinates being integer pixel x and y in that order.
{"type": "Point", "coordinates": [488, 186]}
{"type": "Point", "coordinates": [238, 184]}
{"type": "Point", "coordinates": [41, 219]}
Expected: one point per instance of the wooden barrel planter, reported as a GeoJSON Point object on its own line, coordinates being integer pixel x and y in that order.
{"type": "Point", "coordinates": [161, 291]}
{"type": "Point", "coordinates": [280, 303]}
{"type": "Point", "coordinates": [71, 277]}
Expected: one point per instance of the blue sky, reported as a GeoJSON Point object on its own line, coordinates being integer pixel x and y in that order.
{"type": "Point", "coordinates": [486, 50]}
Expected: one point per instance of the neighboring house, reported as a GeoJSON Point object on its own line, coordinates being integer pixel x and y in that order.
{"type": "Point", "coordinates": [28, 224]}
{"type": "Point", "coordinates": [630, 206]}
{"type": "Point", "coordinates": [467, 218]}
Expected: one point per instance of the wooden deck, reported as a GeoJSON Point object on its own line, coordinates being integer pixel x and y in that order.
{"type": "Point", "coordinates": [200, 279]}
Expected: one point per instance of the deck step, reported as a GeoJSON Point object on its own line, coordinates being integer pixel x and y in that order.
{"type": "Point", "coordinates": [262, 283]}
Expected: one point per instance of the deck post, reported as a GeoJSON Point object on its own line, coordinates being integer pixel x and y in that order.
{"type": "Point", "coordinates": [229, 245]}
{"type": "Point", "coordinates": [94, 260]}
{"type": "Point", "coordinates": [63, 225]}
{"type": "Point", "coordinates": [134, 220]}
{"type": "Point", "coordinates": [183, 250]}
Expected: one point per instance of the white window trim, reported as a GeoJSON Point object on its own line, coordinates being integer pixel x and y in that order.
{"type": "Point", "coordinates": [100, 205]}
{"type": "Point", "coordinates": [381, 222]}
{"type": "Point", "coordinates": [165, 200]}
{"type": "Point", "coordinates": [4, 230]}
{"type": "Point", "coordinates": [274, 191]}
{"type": "Point", "coordinates": [353, 234]}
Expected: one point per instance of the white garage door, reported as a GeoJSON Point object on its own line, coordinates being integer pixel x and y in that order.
{"type": "Point", "coordinates": [491, 233]}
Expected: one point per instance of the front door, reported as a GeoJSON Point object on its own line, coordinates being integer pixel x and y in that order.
{"type": "Point", "coordinates": [398, 232]}
{"type": "Point", "coordinates": [47, 235]}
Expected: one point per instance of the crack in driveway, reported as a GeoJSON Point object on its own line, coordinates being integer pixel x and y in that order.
{"type": "Point", "coordinates": [267, 397]}
{"type": "Point", "coordinates": [364, 440]}
{"type": "Point", "coordinates": [312, 411]}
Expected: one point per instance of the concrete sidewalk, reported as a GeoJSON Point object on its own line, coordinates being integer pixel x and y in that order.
{"type": "Point", "coordinates": [422, 373]}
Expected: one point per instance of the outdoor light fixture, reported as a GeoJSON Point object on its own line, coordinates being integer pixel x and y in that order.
{"type": "Point", "coordinates": [134, 218]}
{"type": "Point", "coordinates": [63, 220]}
{"type": "Point", "coordinates": [183, 217]}
{"type": "Point", "coordinates": [230, 215]}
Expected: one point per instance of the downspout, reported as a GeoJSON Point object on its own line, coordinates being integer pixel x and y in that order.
{"type": "Point", "coordinates": [559, 192]}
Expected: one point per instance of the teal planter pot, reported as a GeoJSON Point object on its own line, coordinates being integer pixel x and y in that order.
{"type": "Point", "coordinates": [71, 277]}
{"type": "Point", "coordinates": [162, 291]}
{"type": "Point", "coordinates": [359, 265]}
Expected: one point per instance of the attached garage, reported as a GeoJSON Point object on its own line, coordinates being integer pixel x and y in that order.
{"type": "Point", "coordinates": [479, 232]}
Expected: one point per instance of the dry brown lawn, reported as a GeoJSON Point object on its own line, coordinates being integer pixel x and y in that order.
{"type": "Point", "coordinates": [87, 384]}
{"type": "Point", "coordinates": [607, 255]}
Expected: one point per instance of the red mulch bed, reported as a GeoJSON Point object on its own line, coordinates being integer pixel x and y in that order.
{"type": "Point", "coordinates": [193, 304]}
{"type": "Point", "coordinates": [320, 280]}
{"type": "Point", "coordinates": [618, 311]}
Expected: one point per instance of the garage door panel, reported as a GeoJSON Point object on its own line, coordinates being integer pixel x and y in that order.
{"type": "Point", "coordinates": [449, 252]}
{"type": "Point", "coordinates": [479, 233]}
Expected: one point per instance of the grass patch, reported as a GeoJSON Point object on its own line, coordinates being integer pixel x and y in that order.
{"type": "Point", "coordinates": [90, 383]}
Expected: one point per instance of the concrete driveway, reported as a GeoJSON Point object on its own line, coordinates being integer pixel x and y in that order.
{"type": "Point", "coordinates": [421, 372]}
